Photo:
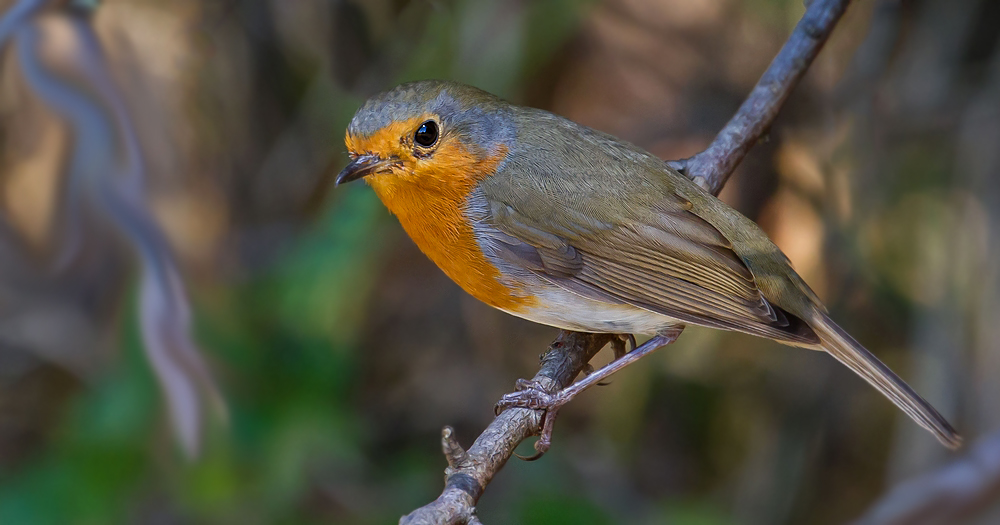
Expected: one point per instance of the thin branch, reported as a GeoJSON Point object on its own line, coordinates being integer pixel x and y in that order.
{"type": "Point", "coordinates": [951, 494]}
{"type": "Point", "coordinates": [469, 472]}
{"type": "Point", "coordinates": [711, 168]}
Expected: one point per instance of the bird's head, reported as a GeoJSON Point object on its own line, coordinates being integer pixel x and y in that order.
{"type": "Point", "coordinates": [432, 136]}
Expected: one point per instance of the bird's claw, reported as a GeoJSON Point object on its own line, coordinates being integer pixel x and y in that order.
{"type": "Point", "coordinates": [514, 399]}
{"type": "Point", "coordinates": [618, 345]}
{"type": "Point", "coordinates": [531, 395]}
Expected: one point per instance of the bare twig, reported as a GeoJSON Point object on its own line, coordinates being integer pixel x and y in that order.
{"type": "Point", "coordinates": [711, 168]}
{"type": "Point", "coordinates": [948, 495]}
{"type": "Point", "coordinates": [469, 472]}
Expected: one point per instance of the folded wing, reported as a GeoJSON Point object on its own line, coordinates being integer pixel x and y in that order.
{"type": "Point", "coordinates": [668, 261]}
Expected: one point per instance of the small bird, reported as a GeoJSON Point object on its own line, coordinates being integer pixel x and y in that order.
{"type": "Point", "coordinates": [563, 225]}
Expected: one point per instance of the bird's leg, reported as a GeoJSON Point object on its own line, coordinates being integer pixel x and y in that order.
{"type": "Point", "coordinates": [531, 395]}
{"type": "Point", "coordinates": [619, 349]}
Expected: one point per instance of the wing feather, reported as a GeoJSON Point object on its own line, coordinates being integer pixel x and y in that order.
{"type": "Point", "coordinates": [671, 262]}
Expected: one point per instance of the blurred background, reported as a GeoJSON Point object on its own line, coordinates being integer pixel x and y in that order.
{"type": "Point", "coordinates": [170, 238]}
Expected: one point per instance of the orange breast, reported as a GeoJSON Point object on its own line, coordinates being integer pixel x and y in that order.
{"type": "Point", "coordinates": [430, 205]}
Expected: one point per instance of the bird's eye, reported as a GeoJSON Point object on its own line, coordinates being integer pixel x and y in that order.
{"type": "Point", "coordinates": [427, 134]}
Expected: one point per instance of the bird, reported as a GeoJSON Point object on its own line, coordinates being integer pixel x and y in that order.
{"type": "Point", "coordinates": [563, 225]}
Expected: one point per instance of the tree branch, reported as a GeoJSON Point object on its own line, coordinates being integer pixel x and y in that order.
{"type": "Point", "coordinates": [711, 168]}
{"type": "Point", "coordinates": [469, 472]}
{"type": "Point", "coordinates": [953, 493]}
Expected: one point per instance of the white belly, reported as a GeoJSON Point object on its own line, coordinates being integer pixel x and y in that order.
{"type": "Point", "coordinates": [569, 311]}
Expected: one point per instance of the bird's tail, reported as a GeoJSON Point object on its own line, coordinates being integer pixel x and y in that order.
{"type": "Point", "coordinates": [849, 352]}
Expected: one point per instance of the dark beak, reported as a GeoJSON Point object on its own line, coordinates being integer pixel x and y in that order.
{"type": "Point", "coordinates": [361, 166]}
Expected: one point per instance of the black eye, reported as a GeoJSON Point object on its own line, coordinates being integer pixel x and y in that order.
{"type": "Point", "coordinates": [427, 134]}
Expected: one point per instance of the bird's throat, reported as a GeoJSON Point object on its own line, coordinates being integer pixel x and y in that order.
{"type": "Point", "coordinates": [431, 208]}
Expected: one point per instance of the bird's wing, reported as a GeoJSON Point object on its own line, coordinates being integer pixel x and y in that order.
{"type": "Point", "coordinates": [666, 260]}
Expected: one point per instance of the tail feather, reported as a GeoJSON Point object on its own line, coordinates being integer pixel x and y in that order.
{"type": "Point", "coordinates": [845, 349]}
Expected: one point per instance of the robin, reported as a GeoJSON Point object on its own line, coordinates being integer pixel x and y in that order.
{"type": "Point", "coordinates": [566, 226]}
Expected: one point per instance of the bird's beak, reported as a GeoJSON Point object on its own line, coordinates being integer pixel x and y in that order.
{"type": "Point", "coordinates": [361, 166]}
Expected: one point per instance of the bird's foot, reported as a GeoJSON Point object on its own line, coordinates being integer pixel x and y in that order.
{"type": "Point", "coordinates": [528, 394]}
{"type": "Point", "coordinates": [618, 345]}
{"type": "Point", "coordinates": [532, 395]}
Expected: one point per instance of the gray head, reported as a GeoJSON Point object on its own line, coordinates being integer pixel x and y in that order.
{"type": "Point", "coordinates": [415, 121]}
